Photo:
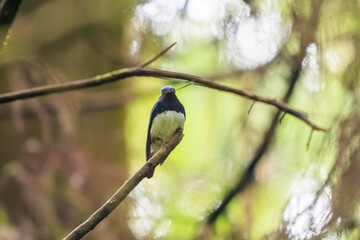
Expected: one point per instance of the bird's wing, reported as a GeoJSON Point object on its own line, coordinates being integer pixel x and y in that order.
{"type": "Point", "coordinates": [154, 112]}
{"type": "Point", "coordinates": [182, 109]}
{"type": "Point", "coordinates": [148, 143]}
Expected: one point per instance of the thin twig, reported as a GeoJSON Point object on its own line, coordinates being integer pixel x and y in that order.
{"type": "Point", "coordinates": [309, 140]}
{"type": "Point", "coordinates": [251, 106]}
{"type": "Point", "coordinates": [282, 116]}
{"type": "Point", "coordinates": [157, 56]}
{"type": "Point", "coordinates": [132, 72]}
{"type": "Point", "coordinates": [125, 189]}
{"type": "Point", "coordinates": [186, 85]}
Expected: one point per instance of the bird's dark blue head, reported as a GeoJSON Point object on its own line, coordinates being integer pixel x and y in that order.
{"type": "Point", "coordinates": [167, 89]}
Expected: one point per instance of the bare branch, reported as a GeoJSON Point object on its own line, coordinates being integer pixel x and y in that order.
{"type": "Point", "coordinates": [8, 10]}
{"type": "Point", "coordinates": [132, 72]}
{"type": "Point", "coordinates": [125, 189]}
{"type": "Point", "coordinates": [247, 178]}
{"type": "Point", "coordinates": [251, 106]}
{"type": "Point", "coordinates": [282, 117]}
{"type": "Point", "coordinates": [309, 140]}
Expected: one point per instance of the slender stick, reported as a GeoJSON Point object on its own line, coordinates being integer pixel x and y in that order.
{"type": "Point", "coordinates": [251, 106]}
{"type": "Point", "coordinates": [125, 189]}
{"type": "Point", "coordinates": [309, 140]}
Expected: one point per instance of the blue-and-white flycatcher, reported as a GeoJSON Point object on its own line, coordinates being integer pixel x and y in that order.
{"type": "Point", "coordinates": [167, 115]}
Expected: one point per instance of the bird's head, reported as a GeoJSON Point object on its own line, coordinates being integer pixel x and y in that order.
{"type": "Point", "coordinates": [167, 89]}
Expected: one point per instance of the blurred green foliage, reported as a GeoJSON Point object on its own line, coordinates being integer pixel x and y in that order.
{"type": "Point", "coordinates": [62, 156]}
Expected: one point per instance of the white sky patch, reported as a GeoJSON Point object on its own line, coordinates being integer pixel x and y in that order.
{"type": "Point", "coordinates": [257, 40]}
{"type": "Point", "coordinates": [145, 214]}
{"type": "Point", "coordinates": [251, 41]}
{"type": "Point", "coordinates": [311, 74]}
{"type": "Point", "coordinates": [306, 215]}
{"type": "Point", "coordinates": [160, 13]}
{"type": "Point", "coordinates": [162, 10]}
{"type": "Point", "coordinates": [213, 10]}
{"type": "Point", "coordinates": [134, 48]}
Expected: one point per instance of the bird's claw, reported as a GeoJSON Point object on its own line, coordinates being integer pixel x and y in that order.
{"type": "Point", "coordinates": [179, 129]}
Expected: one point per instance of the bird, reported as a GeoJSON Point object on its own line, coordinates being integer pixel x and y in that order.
{"type": "Point", "coordinates": [167, 116]}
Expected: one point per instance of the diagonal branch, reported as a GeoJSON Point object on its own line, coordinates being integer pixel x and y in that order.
{"type": "Point", "coordinates": [141, 72]}
{"type": "Point", "coordinates": [247, 177]}
{"type": "Point", "coordinates": [8, 10]}
{"type": "Point", "coordinates": [125, 189]}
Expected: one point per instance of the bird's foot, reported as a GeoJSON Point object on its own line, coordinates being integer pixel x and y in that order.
{"type": "Point", "coordinates": [179, 130]}
{"type": "Point", "coordinates": [162, 162]}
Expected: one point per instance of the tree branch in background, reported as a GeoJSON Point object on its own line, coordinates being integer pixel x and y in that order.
{"type": "Point", "coordinates": [247, 177]}
{"type": "Point", "coordinates": [126, 188]}
{"type": "Point", "coordinates": [141, 72]}
{"type": "Point", "coordinates": [8, 10]}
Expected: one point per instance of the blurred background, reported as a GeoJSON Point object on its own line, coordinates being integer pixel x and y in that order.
{"type": "Point", "coordinates": [62, 156]}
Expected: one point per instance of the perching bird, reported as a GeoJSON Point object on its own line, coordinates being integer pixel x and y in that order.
{"type": "Point", "coordinates": [167, 115]}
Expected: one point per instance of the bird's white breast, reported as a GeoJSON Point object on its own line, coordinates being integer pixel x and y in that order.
{"type": "Point", "coordinates": [165, 124]}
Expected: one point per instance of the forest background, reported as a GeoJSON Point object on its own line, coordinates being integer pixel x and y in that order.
{"type": "Point", "coordinates": [244, 170]}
